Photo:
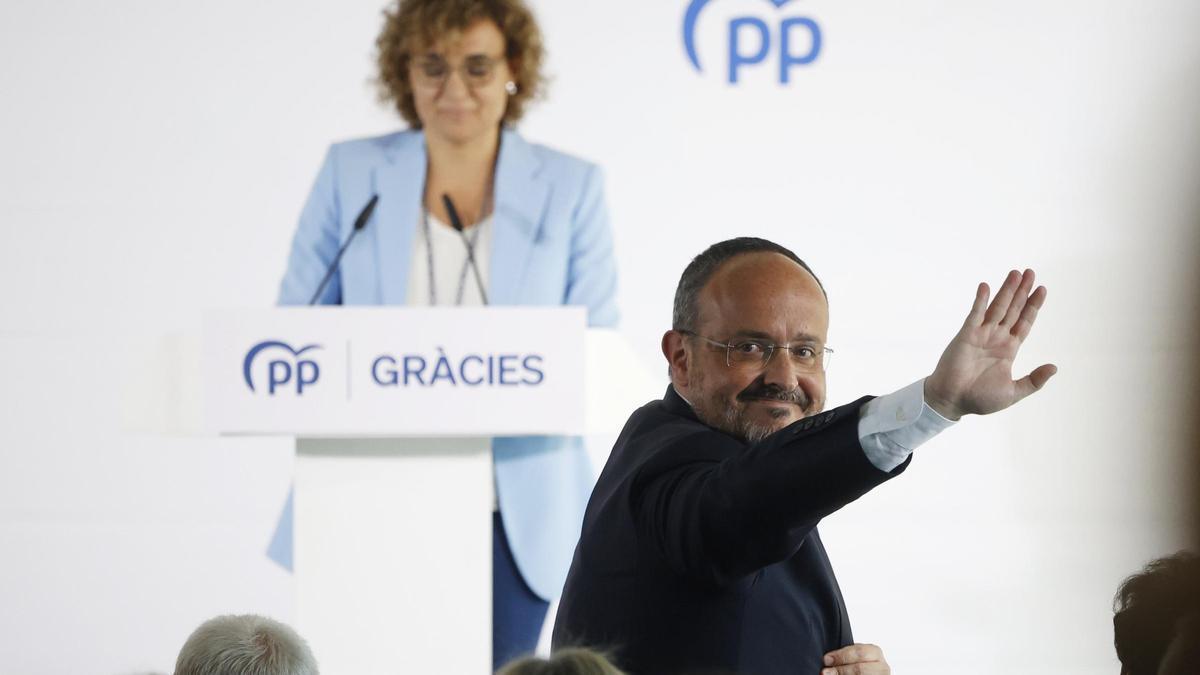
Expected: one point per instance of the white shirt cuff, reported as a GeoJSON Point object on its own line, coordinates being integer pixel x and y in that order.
{"type": "Point", "coordinates": [891, 427]}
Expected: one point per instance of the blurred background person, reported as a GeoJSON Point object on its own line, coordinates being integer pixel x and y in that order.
{"type": "Point", "coordinates": [1183, 654]}
{"type": "Point", "coordinates": [572, 661]}
{"type": "Point", "coordinates": [1157, 616]}
{"type": "Point", "coordinates": [245, 645]}
{"type": "Point", "coordinates": [535, 231]}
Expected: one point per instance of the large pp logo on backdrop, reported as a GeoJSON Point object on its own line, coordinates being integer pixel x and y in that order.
{"type": "Point", "coordinates": [281, 367]}
{"type": "Point", "coordinates": [754, 40]}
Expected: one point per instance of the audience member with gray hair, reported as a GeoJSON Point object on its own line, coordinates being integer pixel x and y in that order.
{"type": "Point", "coordinates": [245, 645]}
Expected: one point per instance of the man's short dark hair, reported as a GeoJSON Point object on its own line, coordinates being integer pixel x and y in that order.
{"type": "Point", "coordinates": [686, 313]}
{"type": "Point", "coordinates": [1149, 605]}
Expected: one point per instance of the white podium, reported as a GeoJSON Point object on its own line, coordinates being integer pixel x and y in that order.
{"type": "Point", "coordinates": [393, 410]}
{"type": "Point", "coordinates": [393, 554]}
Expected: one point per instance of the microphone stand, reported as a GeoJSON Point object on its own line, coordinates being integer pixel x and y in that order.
{"type": "Point", "coordinates": [457, 224]}
{"type": "Point", "coordinates": [359, 223]}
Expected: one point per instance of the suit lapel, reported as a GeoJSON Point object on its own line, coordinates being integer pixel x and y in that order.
{"type": "Point", "coordinates": [398, 181]}
{"type": "Point", "coordinates": [521, 196]}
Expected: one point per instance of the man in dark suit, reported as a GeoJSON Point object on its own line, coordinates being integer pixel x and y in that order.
{"type": "Point", "coordinates": [699, 550]}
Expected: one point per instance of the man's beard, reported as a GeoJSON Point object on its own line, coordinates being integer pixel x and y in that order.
{"type": "Point", "coordinates": [733, 420]}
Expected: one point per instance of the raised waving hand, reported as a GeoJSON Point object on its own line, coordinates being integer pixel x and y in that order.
{"type": "Point", "coordinates": [975, 373]}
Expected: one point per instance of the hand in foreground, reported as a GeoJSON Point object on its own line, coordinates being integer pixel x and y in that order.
{"type": "Point", "coordinates": [856, 660]}
{"type": "Point", "coordinates": [974, 375]}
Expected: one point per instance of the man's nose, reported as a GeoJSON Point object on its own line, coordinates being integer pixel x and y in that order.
{"type": "Point", "coordinates": [781, 371]}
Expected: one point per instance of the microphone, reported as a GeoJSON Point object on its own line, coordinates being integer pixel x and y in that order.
{"type": "Point", "coordinates": [359, 223]}
{"type": "Point", "coordinates": [457, 224]}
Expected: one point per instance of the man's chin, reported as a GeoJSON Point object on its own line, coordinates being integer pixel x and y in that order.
{"type": "Point", "coordinates": [753, 432]}
{"type": "Point", "coordinates": [770, 413]}
{"type": "Point", "coordinates": [751, 420]}
{"type": "Point", "coordinates": [771, 426]}
{"type": "Point", "coordinates": [753, 425]}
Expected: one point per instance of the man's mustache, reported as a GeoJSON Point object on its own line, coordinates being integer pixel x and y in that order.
{"type": "Point", "coordinates": [761, 390]}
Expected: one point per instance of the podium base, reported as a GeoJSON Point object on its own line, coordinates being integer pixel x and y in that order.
{"type": "Point", "coordinates": [393, 554]}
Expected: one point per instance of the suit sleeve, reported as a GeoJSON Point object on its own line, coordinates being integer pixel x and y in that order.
{"type": "Point", "coordinates": [316, 242]}
{"type": "Point", "coordinates": [592, 272]}
{"type": "Point", "coordinates": [714, 510]}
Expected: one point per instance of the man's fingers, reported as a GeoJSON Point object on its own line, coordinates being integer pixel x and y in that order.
{"type": "Point", "coordinates": [857, 653]}
{"type": "Point", "coordinates": [975, 317]}
{"type": "Point", "coordinates": [861, 659]}
{"type": "Point", "coordinates": [1003, 297]}
{"type": "Point", "coordinates": [1029, 314]}
{"type": "Point", "coordinates": [1035, 380]}
{"type": "Point", "coordinates": [870, 668]}
{"type": "Point", "coordinates": [1019, 299]}
{"type": "Point", "coordinates": [1042, 374]}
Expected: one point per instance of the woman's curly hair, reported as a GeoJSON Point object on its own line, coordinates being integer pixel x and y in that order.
{"type": "Point", "coordinates": [415, 25]}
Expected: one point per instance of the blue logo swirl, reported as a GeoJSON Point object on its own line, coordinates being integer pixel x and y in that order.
{"type": "Point", "coordinates": [248, 363]}
{"type": "Point", "coordinates": [761, 35]}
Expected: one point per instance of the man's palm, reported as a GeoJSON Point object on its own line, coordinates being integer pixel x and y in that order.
{"type": "Point", "coordinates": [974, 375]}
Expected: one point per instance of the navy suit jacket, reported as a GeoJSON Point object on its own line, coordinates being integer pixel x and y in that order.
{"type": "Point", "coordinates": [700, 553]}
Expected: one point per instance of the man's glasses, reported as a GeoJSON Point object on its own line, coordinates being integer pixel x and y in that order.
{"type": "Point", "coordinates": [432, 71]}
{"type": "Point", "coordinates": [752, 354]}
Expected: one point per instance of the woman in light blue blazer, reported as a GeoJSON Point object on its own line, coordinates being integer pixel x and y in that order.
{"type": "Point", "coordinates": [460, 74]}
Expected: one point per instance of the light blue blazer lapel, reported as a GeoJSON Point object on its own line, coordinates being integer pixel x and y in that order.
{"type": "Point", "coordinates": [399, 181]}
{"type": "Point", "coordinates": [521, 196]}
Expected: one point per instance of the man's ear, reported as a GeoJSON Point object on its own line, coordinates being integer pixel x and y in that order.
{"type": "Point", "coordinates": [677, 357]}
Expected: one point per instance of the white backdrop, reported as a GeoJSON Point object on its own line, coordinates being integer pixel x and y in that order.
{"type": "Point", "coordinates": [156, 154]}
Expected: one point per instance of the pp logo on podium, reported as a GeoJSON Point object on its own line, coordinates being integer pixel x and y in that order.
{"type": "Point", "coordinates": [282, 366]}
{"type": "Point", "coordinates": [753, 38]}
